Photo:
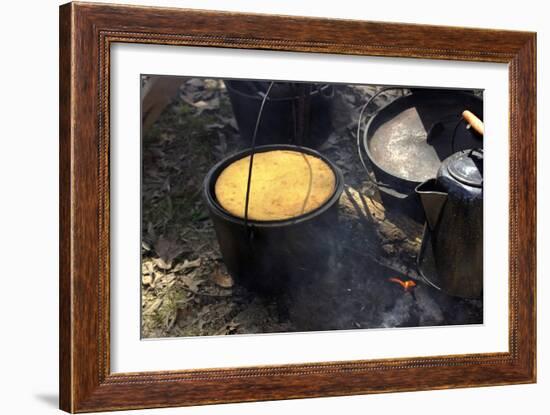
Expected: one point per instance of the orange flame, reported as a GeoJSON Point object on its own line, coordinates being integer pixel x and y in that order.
{"type": "Point", "coordinates": [407, 285]}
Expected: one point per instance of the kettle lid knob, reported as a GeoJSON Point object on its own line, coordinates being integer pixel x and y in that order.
{"type": "Point", "coordinates": [467, 167]}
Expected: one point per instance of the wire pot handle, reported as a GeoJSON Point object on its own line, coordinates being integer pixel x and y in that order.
{"type": "Point", "coordinates": [322, 89]}
{"type": "Point", "coordinates": [358, 134]}
{"type": "Point", "coordinates": [252, 152]}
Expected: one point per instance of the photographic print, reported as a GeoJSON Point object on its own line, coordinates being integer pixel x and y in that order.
{"type": "Point", "coordinates": [259, 207]}
{"type": "Point", "coordinates": [282, 206]}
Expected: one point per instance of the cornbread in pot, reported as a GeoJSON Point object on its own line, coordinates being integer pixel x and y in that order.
{"type": "Point", "coordinates": [285, 184]}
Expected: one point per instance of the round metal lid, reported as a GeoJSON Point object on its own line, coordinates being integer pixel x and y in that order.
{"type": "Point", "coordinates": [410, 137]}
{"type": "Point", "coordinates": [467, 167]}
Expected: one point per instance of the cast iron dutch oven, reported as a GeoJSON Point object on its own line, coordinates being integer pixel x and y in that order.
{"type": "Point", "coordinates": [406, 140]}
{"type": "Point", "coordinates": [294, 113]}
{"type": "Point", "coordinates": [269, 256]}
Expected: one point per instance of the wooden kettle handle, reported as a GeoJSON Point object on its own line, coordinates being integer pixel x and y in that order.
{"type": "Point", "coordinates": [475, 122]}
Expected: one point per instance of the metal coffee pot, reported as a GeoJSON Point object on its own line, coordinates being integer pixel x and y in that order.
{"type": "Point", "coordinates": [451, 255]}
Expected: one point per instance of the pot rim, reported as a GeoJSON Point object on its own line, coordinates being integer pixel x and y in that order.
{"type": "Point", "coordinates": [214, 172]}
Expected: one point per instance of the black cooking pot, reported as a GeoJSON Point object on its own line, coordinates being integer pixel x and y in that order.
{"type": "Point", "coordinates": [270, 256]}
{"type": "Point", "coordinates": [405, 141]}
{"type": "Point", "coordinates": [294, 113]}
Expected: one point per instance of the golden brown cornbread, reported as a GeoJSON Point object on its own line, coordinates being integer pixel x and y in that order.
{"type": "Point", "coordinates": [285, 184]}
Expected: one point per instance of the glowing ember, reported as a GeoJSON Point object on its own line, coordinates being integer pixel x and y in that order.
{"type": "Point", "coordinates": [407, 285]}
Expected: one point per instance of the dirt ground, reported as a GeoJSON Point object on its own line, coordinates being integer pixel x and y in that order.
{"type": "Point", "coordinates": [186, 289]}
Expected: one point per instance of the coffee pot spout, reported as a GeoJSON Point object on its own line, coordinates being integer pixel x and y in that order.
{"type": "Point", "coordinates": [433, 199]}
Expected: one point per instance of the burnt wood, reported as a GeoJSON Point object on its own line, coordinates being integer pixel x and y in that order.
{"type": "Point", "coordinates": [86, 33]}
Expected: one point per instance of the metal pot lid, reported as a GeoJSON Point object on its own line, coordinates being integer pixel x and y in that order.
{"type": "Point", "coordinates": [467, 167]}
{"type": "Point", "coordinates": [411, 136]}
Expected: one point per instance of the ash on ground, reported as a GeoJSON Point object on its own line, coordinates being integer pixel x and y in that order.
{"type": "Point", "coordinates": [186, 289]}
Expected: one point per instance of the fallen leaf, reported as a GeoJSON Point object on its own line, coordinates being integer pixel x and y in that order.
{"type": "Point", "coordinates": [223, 280]}
{"type": "Point", "coordinates": [190, 282]}
{"type": "Point", "coordinates": [153, 306]}
{"type": "Point", "coordinates": [232, 327]}
{"type": "Point", "coordinates": [147, 279]}
{"type": "Point", "coordinates": [200, 104]}
{"type": "Point", "coordinates": [204, 105]}
{"type": "Point", "coordinates": [214, 126]}
{"type": "Point", "coordinates": [147, 267]}
{"type": "Point", "coordinates": [186, 265]}
{"type": "Point", "coordinates": [145, 246]}
{"type": "Point", "coordinates": [167, 249]}
{"type": "Point", "coordinates": [159, 262]}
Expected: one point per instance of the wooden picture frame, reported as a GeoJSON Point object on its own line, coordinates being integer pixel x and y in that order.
{"type": "Point", "coordinates": [86, 33]}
